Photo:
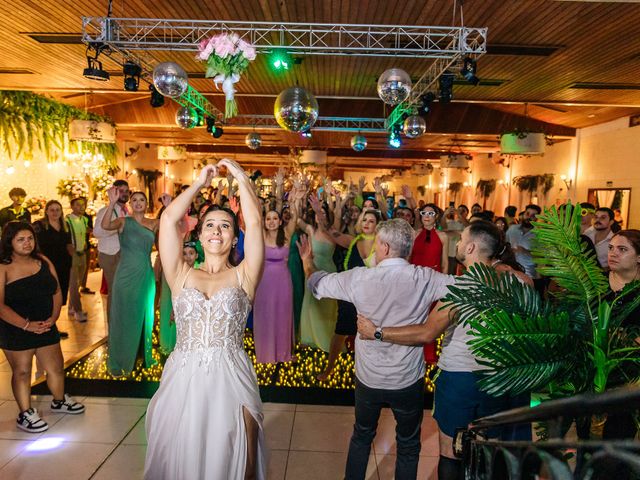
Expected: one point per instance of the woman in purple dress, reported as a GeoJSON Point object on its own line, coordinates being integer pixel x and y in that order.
{"type": "Point", "coordinates": [273, 305]}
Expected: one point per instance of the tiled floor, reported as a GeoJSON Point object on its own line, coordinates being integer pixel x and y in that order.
{"type": "Point", "coordinates": [108, 441]}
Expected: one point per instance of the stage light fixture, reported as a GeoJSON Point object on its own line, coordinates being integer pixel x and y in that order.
{"type": "Point", "coordinates": [306, 133]}
{"type": "Point", "coordinates": [425, 103]}
{"type": "Point", "coordinates": [468, 71]}
{"type": "Point", "coordinates": [280, 60]}
{"type": "Point", "coordinates": [94, 69]}
{"type": "Point", "coordinates": [211, 123]}
{"type": "Point", "coordinates": [157, 99]}
{"type": "Point", "coordinates": [217, 132]}
{"type": "Point", "coordinates": [394, 140]}
{"type": "Point", "coordinates": [131, 73]}
{"type": "Point", "coordinates": [446, 87]}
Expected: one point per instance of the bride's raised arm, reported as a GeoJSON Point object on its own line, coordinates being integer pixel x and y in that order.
{"type": "Point", "coordinates": [253, 263]}
{"type": "Point", "coordinates": [170, 237]}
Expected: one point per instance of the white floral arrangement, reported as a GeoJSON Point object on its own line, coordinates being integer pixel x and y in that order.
{"type": "Point", "coordinates": [36, 205]}
{"type": "Point", "coordinates": [72, 187]}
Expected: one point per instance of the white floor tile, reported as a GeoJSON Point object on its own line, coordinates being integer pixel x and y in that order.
{"type": "Point", "coordinates": [385, 440]}
{"type": "Point", "coordinates": [323, 466]}
{"type": "Point", "coordinates": [322, 432]}
{"type": "Point", "coordinates": [9, 449]}
{"type": "Point", "coordinates": [69, 461]}
{"type": "Point", "coordinates": [277, 464]}
{"type": "Point", "coordinates": [9, 413]}
{"type": "Point", "coordinates": [126, 462]}
{"type": "Point", "coordinates": [427, 467]}
{"type": "Point", "coordinates": [326, 409]}
{"type": "Point", "coordinates": [278, 427]}
{"type": "Point", "coordinates": [278, 407]}
{"type": "Point", "coordinates": [99, 423]}
{"type": "Point", "coordinates": [137, 436]}
{"type": "Point", "coordinates": [141, 402]}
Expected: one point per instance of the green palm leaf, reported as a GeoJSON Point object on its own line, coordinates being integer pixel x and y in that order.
{"type": "Point", "coordinates": [560, 254]}
{"type": "Point", "coordinates": [523, 354]}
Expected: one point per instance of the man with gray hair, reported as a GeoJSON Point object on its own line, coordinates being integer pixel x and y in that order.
{"type": "Point", "coordinates": [394, 293]}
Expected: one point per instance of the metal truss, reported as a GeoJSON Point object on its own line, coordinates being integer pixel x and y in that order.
{"type": "Point", "coordinates": [329, 124]}
{"type": "Point", "coordinates": [425, 84]}
{"type": "Point", "coordinates": [296, 38]}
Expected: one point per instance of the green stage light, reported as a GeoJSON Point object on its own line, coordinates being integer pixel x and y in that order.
{"type": "Point", "coordinates": [280, 60]}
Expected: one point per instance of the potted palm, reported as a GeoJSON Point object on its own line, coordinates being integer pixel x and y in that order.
{"type": "Point", "coordinates": [569, 344]}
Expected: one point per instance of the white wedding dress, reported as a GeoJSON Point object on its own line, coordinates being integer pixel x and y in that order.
{"type": "Point", "coordinates": [195, 424]}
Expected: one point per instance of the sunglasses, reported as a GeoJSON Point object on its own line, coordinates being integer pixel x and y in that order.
{"type": "Point", "coordinates": [427, 213]}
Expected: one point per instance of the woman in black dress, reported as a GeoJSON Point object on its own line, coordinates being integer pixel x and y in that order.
{"type": "Point", "coordinates": [30, 302]}
{"type": "Point", "coordinates": [54, 241]}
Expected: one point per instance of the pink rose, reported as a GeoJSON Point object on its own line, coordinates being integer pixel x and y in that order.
{"type": "Point", "coordinates": [224, 47]}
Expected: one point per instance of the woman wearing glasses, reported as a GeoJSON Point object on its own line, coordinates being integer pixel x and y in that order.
{"type": "Point", "coordinates": [430, 250]}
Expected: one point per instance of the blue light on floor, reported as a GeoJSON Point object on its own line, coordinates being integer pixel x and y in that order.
{"type": "Point", "coordinates": [44, 444]}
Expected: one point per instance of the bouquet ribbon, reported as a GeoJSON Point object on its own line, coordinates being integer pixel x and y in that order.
{"type": "Point", "coordinates": [227, 87]}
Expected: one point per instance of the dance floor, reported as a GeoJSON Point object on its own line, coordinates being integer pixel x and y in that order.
{"type": "Point", "coordinates": [307, 435]}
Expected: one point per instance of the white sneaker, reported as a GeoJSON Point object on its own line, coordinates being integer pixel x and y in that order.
{"type": "Point", "coordinates": [68, 405]}
{"type": "Point", "coordinates": [30, 421]}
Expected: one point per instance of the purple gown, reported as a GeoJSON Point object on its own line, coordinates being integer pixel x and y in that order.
{"type": "Point", "coordinates": [273, 309]}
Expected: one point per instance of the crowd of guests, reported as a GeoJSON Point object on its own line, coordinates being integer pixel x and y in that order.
{"type": "Point", "coordinates": [411, 251]}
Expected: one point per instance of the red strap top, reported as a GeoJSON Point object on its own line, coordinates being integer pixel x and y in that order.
{"type": "Point", "coordinates": [427, 253]}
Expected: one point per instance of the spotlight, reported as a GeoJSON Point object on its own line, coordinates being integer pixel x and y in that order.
{"type": "Point", "coordinates": [131, 73]}
{"type": "Point", "coordinates": [280, 60]}
{"type": "Point", "coordinates": [306, 133]}
{"type": "Point", "coordinates": [425, 103]}
{"type": "Point", "coordinates": [94, 69]}
{"type": "Point", "coordinates": [468, 71]}
{"type": "Point", "coordinates": [446, 87]}
{"type": "Point", "coordinates": [217, 132]}
{"type": "Point", "coordinates": [394, 140]}
{"type": "Point", "coordinates": [211, 123]}
{"type": "Point", "coordinates": [157, 99]}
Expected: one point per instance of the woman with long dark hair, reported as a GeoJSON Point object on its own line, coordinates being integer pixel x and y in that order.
{"type": "Point", "coordinates": [205, 420]}
{"type": "Point", "coordinates": [273, 305]}
{"type": "Point", "coordinates": [30, 302]}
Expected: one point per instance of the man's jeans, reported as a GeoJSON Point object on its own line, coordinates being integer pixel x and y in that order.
{"type": "Point", "coordinates": [407, 405]}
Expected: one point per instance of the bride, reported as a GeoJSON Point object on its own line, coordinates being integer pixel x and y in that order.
{"type": "Point", "coordinates": [205, 421]}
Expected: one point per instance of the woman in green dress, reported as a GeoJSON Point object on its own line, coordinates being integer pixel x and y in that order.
{"type": "Point", "coordinates": [132, 298]}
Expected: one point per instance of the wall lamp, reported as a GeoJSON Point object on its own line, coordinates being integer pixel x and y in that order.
{"type": "Point", "coordinates": [567, 181]}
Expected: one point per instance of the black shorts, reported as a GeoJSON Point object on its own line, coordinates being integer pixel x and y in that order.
{"type": "Point", "coordinates": [347, 319]}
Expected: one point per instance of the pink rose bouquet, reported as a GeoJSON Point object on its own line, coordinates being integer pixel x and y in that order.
{"type": "Point", "coordinates": [227, 57]}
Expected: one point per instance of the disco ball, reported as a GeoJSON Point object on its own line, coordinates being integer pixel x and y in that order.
{"type": "Point", "coordinates": [253, 140]}
{"type": "Point", "coordinates": [296, 109]}
{"type": "Point", "coordinates": [394, 86]}
{"type": "Point", "coordinates": [170, 79]}
{"type": "Point", "coordinates": [414, 126]}
{"type": "Point", "coordinates": [187, 117]}
{"type": "Point", "coordinates": [358, 142]}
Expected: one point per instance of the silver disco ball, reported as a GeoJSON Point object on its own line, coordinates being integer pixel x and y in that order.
{"type": "Point", "coordinates": [170, 79]}
{"type": "Point", "coordinates": [414, 126]}
{"type": "Point", "coordinates": [358, 142]}
{"type": "Point", "coordinates": [296, 109]}
{"type": "Point", "coordinates": [187, 117]}
{"type": "Point", "coordinates": [253, 140]}
{"type": "Point", "coordinates": [394, 86]}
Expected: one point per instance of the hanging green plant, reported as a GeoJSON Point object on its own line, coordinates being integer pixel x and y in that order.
{"type": "Point", "coordinates": [28, 120]}
{"type": "Point", "coordinates": [455, 187]}
{"type": "Point", "coordinates": [486, 187]}
{"type": "Point", "coordinates": [526, 183]}
{"type": "Point", "coordinates": [422, 190]}
{"type": "Point", "coordinates": [548, 179]}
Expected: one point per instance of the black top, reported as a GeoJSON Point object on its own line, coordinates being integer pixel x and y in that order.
{"type": "Point", "coordinates": [347, 313]}
{"type": "Point", "coordinates": [53, 245]}
{"type": "Point", "coordinates": [8, 215]}
{"type": "Point", "coordinates": [30, 297]}
{"type": "Point", "coordinates": [633, 319]}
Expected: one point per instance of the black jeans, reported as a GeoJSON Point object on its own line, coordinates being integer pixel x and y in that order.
{"type": "Point", "coordinates": [407, 406]}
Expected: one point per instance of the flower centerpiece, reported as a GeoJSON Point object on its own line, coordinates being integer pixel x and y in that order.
{"type": "Point", "coordinates": [36, 205]}
{"type": "Point", "coordinates": [227, 57]}
{"type": "Point", "coordinates": [100, 183]}
{"type": "Point", "coordinates": [72, 187]}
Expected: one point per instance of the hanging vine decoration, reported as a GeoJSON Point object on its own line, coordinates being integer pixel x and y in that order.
{"type": "Point", "coordinates": [422, 190]}
{"type": "Point", "coordinates": [531, 183]}
{"type": "Point", "coordinates": [29, 120]}
{"type": "Point", "coordinates": [484, 189]}
{"type": "Point", "coordinates": [149, 178]}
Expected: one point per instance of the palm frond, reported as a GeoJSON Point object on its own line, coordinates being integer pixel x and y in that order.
{"type": "Point", "coordinates": [522, 354]}
{"type": "Point", "coordinates": [482, 288]}
{"type": "Point", "coordinates": [559, 253]}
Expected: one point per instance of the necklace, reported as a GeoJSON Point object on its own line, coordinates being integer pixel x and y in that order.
{"type": "Point", "coordinates": [620, 282]}
{"type": "Point", "coordinates": [353, 243]}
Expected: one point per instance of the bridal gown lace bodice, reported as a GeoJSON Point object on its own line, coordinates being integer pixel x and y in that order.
{"type": "Point", "coordinates": [206, 325]}
{"type": "Point", "coordinates": [195, 424]}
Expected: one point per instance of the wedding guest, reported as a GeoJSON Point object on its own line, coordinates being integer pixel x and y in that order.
{"type": "Point", "coordinates": [108, 240]}
{"type": "Point", "coordinates": [520, 236]}
{"type": "Point", "coordinates": [78, 228]}
{"type": "Point", "coordinates": [83, 284]}
{"type": "Point", "coordinates": [15, 211]}
{"type": "Point", "coordinates": [132, 296]}
{"type": "Point", "coordinates": [386, 374]}
{"type": "Point", "coordinates": [600, 234]}
{"type": "Point", "coordinates": [54, 240]}
{"type": "Point", "coordinates": [30, 302]}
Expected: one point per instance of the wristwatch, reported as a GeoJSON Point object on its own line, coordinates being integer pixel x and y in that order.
{"type": "Point", "coordinates": [378, 335]}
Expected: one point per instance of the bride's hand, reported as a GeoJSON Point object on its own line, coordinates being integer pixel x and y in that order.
{"type": "Point", "coordinates": [233, 168]}
{"type": "Point", "coordinates": [207, 174]}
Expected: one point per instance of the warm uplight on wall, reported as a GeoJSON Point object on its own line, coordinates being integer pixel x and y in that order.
{"type": "Point", "coordinates": [465, 184]}
{"type": "Point", "coordinates": [568, 181]}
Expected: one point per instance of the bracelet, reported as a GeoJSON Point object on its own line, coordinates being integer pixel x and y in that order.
{"type": "Point", "coordinates": [26, 325]}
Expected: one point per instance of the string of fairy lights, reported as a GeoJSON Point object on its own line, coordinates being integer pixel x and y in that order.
{"type": "Point", "coordinates": [309, 363]}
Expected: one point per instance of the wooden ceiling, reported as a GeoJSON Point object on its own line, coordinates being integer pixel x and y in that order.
{"type": "Point", "coordinates": [539, 51]}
